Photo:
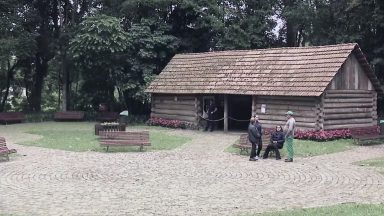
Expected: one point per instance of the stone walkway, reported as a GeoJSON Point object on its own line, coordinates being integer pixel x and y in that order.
{"type": "Point", "coordinates": [196, 179]}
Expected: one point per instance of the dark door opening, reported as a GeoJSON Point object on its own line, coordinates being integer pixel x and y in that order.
{"type": "Point", "coordinates": [239, 111]}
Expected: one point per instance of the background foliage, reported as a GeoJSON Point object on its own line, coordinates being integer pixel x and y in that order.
{"type": "Point", "coordinates": [62, 54]}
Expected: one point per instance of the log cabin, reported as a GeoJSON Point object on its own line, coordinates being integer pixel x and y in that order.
{"type": "Point", "coordinates": [327, 87]}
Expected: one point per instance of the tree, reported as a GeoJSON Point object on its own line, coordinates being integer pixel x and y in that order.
{"type": "Point", "coordinates": [248, 24]}
{"type": "Point", "coordinates": [99, 50]}
{"type": "Point", "coordinates": [150, 50]}
{"type": "Point", "coordinates": [16, 44]}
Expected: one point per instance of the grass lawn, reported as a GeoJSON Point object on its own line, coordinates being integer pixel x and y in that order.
{"type": "Point", "coordinates": [79, 136]}
{"type": "Point", "coordinates": [350, 209]}
{"type": "Point", "coordinates": [305, 148]}
{"type": "Point", "coordinates": [378, 162]}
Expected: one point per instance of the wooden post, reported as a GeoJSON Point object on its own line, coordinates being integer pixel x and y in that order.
{"type": "Point", "coordinates": [198, 110]}
{"type": "Point", "coordinates": [254, 105]}
{"type": "Point", "coordinates": [225, 113]}
{"type": "Point", "coordinates": [320, 113]}
{"type": "Point", "coordinates": [374, 108]}
{"type": "Point", "coordinates": [152, 104]}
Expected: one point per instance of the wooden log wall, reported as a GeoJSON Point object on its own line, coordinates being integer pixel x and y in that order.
{"type": "Point", "coordinates": [349, 108]}
{"type": "Point", "coordinates": [351, 76]}
{"type": "Point", "coordinates": [304, 109]}
{"type": "Point", "coordinates": [177, 107]}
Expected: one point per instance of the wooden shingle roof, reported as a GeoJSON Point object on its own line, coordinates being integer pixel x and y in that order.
{"type": "Point", "coordinates": [293, 71]}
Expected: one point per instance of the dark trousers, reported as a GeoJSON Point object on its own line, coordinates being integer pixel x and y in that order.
{"type": "Point", "coordinates": [210, 125]}
{"type": "Point", "coordinates": [259, 146]}
{"type": "Point", "coordinates": [253, 150]}
{"type": "Point", "coordinates": [273, 147]}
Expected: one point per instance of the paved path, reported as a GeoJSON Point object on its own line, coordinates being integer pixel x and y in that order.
{"type": "Point", "coordinates": [196, 179]}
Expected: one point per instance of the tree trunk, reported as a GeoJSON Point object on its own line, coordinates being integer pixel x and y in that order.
{"type": "Point", "coordinates": [66, 83]}
{"type": "Point", "coordinates": [290, 24]}
{"type": "Point", "coordinates": [9, 79]}
{"type": "Point", "coordinates": [38, 83]}
{"type": "Point", "coordinates": [291, 36]}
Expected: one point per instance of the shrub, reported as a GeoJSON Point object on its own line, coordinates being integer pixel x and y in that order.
{"type": "Point", "coordinates": [171, 123]}
{"type": "Point", "coordinates": [323, 135]}
{"type": "Point", "coordinates": [39, 117]}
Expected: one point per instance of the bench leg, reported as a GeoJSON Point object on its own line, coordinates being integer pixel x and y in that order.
{"type": "Point", "coordinates": [244, 150]}
{"type": "Point", "coordinates": [357, 142]}
{"type": "Point", "coordinates": [6, 156]}
{"type": "Point", "coordinates": [107, 148]}
{"type": "Point", "coordinates": [241, 150]}
{"type": "Point", "coordinates": [141, 148]}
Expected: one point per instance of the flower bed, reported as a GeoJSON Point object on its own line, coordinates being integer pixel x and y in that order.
{"type": "Point", "coordinates": [322, 135]}
{"type": "Point", "coordinates": [171, 123]}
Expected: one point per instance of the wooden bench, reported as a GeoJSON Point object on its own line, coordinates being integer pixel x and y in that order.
{"type": "Point", "coordinates": [11, 117]}
{"type": "Point", "coordinates": [4, 150]}
{"type": "Point", "coordinates": [107, 116]}
{"type": "Point", "coordinates": [69, 115]}
{"type": "Point", "coordinates": [124, 138]}
{"type": "Point", "coordinates": [244, 144]}
{"type": "Point", "coordinates": [362, 134]}
{"type": "Point", "coordinates": [109, 127]}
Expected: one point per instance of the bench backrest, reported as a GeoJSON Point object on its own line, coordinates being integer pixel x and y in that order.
{"type": "Point", "coordinates": [12, 115]}
{"type": "Point", "coordinates": [365, 131]}
{"type": "Point", "coordinates": [2, 142]}
{"type": "Point", "coordinates": [124, 135]}
{"type": "Point", "coordinates": [108, 115]}
{"type": "Point", "coordinates": [69, 114]}
{"type": "Point", "coordinates": [245, 141]}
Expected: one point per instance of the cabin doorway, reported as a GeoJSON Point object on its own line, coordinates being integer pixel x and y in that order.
{"type": "Point", "coordinates": [239, 111]}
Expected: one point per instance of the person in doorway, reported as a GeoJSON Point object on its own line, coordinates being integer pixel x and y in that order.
{"type": "Point", "coordinates": [205, 116]}
{"type": "Point", "coordinates": [253, 137]}
{"type": "Point", "coordinates": [259, 138]}
{"type": "Point", "coordinates": [289, 130]}
{"type": "Point", "coordinates": [276, 143]}
{"type": "Point", "coordinates": [212, 109]}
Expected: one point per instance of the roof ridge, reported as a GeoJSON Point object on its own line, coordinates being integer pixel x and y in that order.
{"type": "Point", "coordinates": [273, 48]}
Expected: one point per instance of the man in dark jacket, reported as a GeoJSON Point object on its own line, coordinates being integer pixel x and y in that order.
{"type": "Point", "coordinates": [253, 135]}
{"type": "Point", "coordinates": [276, 143]}
{"type": "Point", "coordinates": [212, 109]}
{"type": "Point", "coordinates": [259, 138]}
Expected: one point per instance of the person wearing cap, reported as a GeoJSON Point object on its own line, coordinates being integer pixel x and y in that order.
{"type": "Point", "coordinates": [289, 130]}
{"type": "Point", "coordinates": [253, 135]}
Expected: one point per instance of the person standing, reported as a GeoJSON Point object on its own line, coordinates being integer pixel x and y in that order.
{"type": "Point", "coordinates": [289, 130]}
{"type": "Point", "coordinates": [276, 143]}
{"type": "Point", "coordinates": [212, 109]}
{"type": "Point", "coordinates": [253, 135]}
{"type": "Point", "coordinates": [259, 138]}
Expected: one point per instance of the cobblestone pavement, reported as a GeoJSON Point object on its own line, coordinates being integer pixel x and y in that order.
{"type": "Point", "coordinates": [196, 179]}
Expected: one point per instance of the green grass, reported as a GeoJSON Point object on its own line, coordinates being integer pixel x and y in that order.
{"type": "Point", "coordinates": [349, 209]}
{"type": "Point", "coordinates": [305, 148]}
{"type": "Point", "coordinates": [372, 142]}
{"type": "Point", "coordinates": [377, 162]}
{"type": "Point", "coordinates": [79, 136]}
